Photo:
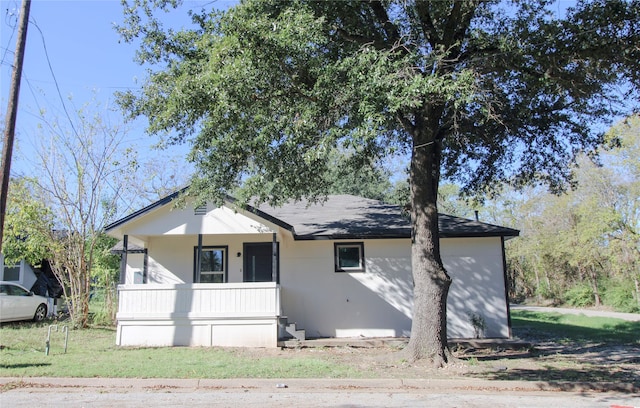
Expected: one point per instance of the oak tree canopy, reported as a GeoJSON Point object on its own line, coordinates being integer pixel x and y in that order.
{"type": "Point", "coordinates": [477, 92]}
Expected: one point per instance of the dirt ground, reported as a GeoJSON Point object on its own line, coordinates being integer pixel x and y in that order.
{"type": "Point", "coordinates": [605, 367]}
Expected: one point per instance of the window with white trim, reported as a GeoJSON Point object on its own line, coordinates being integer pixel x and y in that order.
{"type": "Point", "coordinates": [349, 257]}
{"type": "Point", "coordinates": [12, 273]}
{"type": "Point", "coordinates": [213, 265]}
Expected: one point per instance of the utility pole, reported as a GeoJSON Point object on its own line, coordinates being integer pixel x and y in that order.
{"type": "Point", "coordinates": [12, 112]}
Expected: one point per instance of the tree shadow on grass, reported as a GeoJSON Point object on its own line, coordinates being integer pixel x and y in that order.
{"type": "Point", "coordinates": [23, 365]}
{"type": "Point", "coordinates": [577, 369]}
{"type": "Point", "coordinates": [551, 326]}
{"type": "Point", "coordinates": [568, 357]}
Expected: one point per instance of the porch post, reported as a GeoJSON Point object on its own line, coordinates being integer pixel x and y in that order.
{"type": "Point", "coordinates": [506, 285]}
{"type": "Point", "coordinates": [275, 275]}
{"type": "Point", "coordinates": [123, 259]}
{"type": "Point", "coordinates": [198, 258]}
{"type": "Point", "coordinates": [145, 268]}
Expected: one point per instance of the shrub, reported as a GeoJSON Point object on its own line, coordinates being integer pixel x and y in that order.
{"type": "Point", "coordinates": [102, 308]}
{"type": "Point", "coordinates": [580, 295]}
{"type": "Point", "coordinates": [478, 323]}
{"type": "Point", "coordinates": [619, 295]}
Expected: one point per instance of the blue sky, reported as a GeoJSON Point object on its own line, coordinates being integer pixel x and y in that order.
{"type": "Point", "coordinates": [86, 59]}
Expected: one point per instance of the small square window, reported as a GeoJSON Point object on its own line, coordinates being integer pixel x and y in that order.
{"type": "Point", "coordinates": [349, 257]}
{"type": "Point", "coordinates": [11, 273]}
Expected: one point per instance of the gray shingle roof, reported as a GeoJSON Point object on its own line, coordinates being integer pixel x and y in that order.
{"type": "Point", "coordinates": [352, 217]}
{"type": "Point", "coordinates": [347, 217]}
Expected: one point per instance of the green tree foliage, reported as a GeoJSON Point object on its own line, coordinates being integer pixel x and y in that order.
{"type": "Point", "coordinates": [451, 202]}
{"type": "Point", "coordinates": [28, 224]}
{"type": "Point", "coordinates": [622, 155]}
{"type": "Point", "coordinates": [478, 92]}
{"type": "Point", "coordinates": [371, 181]}
{"type": "Point", "coordinates": [582, 247]}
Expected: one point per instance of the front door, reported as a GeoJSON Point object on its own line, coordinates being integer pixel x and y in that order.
{"type": "Point", "coordinates": [258, 262]}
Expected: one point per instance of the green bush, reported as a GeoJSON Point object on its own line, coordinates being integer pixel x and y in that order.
{"type": "Point", "coordinates": [619, 295]}
{"type": "Point", "coordinates": [544, 291]}
{"type": "Point", "coordinates": [580, 295]}
{"type": "Point", "coordinates": [551, 294]}
{"type": "Point", "coordinates": [102, 307]}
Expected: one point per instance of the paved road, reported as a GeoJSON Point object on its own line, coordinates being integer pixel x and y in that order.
{"type": "Point", "coordinates": [60, 392]}
{"type": "Point", "coordinates": [633, 317]}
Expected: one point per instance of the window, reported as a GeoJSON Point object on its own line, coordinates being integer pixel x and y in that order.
{"type": "Point", "coordinates": [213, 265]}
{"type": "Point", "coordinates": [11, 273]}
{"type": "Point", "coordinates": [349, 257]}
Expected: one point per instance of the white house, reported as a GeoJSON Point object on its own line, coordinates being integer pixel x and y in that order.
{"type": "Point", "coordinates": [225, 276]}
{"type": "Point", "coordinates": [21, 273]}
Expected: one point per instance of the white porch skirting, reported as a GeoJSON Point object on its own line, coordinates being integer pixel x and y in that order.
{"type": "Point", "coordinates": [222, 314]}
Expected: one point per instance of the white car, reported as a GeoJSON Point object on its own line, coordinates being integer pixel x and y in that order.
{"type": "Point", "coordinates": [18, 303]}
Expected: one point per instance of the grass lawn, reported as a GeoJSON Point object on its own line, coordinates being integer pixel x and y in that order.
{"type": "Point", "coordinates": [93, 353]}
{"type": "Point", "coordinates": [575, 328]}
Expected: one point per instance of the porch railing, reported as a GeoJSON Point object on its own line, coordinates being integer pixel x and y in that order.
{"type": "Point", "coordinates": [199, 301]}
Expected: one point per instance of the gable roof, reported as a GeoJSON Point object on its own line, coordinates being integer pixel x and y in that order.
{"type": "Point", "coordinates": [137, 214]}
{"type": "Point", "coordinates": [346, 217]}
{"type": "Point", "coordinates": [352, 217]}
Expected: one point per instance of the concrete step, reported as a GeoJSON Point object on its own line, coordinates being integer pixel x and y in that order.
{"type": "Point", "coordinates": [289, 330]}
{"type": "Point", "coordinates": [298, 334]}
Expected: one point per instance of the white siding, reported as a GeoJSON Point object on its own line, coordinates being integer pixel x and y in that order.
{"type": "Point", "coordinates": [171, 258]}
{"type": "Point", "coordinates": [169, 220]}
{"type": "Point", "coordinates": [326, 303]}
{"type": "Point", "coordinates": [477, 270]}
{"type": "Point", "coordinates": [27, 276]}
{"type": "Point", "coordinates": [379, 301]}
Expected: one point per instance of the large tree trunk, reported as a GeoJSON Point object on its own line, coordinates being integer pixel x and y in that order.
{"type": "Point", "coordinates": [431, 281]}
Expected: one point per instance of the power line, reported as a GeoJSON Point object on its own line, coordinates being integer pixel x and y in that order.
{"type": "Point", "coordinates": [12, 112]}
{"type": "Point", "coordinates": [55, 80]}
{"type": "Point", "coordinates": [14, 26]}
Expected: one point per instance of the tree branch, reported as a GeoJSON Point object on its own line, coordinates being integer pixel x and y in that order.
{"type": "Point", "coordinates": [390, 29]}
{"type": "Point", "coordinates": [426, 23]}
{"type": "Point", "coordinates": [360, 39]}
{"type": "Point", "coordinates": [406, 123]}
{"type": "Point", "coordinates": [459, 21]}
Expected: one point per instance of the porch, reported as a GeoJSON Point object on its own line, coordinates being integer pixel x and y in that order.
{"type": "Point", "coordinates": [199, 314]}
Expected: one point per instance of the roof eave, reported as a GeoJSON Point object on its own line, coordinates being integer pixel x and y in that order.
{"type": "Point", "coordinates": [267, 217]}
{"type": "Point", "coordinates": [320, 237]}
{"type": "Point", "coordinates": [317, 237]}
{"type": "Point", "coordinates": [163, 201]}
{"type": "Point", "coordinates": [479, 235]}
